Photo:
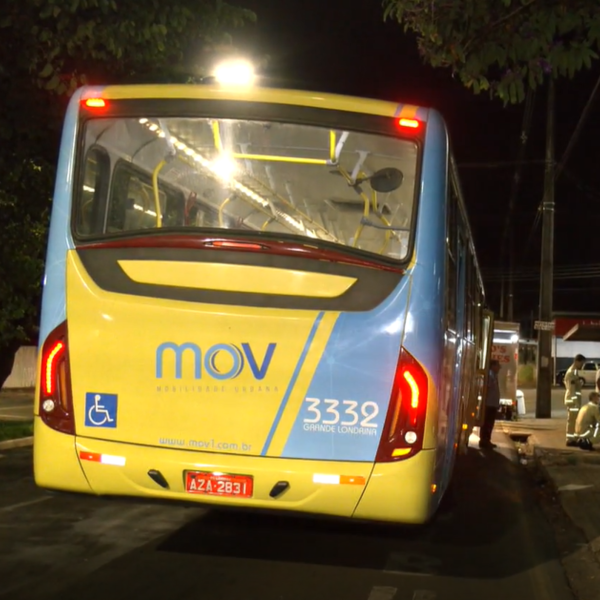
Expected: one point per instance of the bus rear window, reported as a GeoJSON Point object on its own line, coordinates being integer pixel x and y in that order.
{"type": "Point", "coordinates": [349, 188]}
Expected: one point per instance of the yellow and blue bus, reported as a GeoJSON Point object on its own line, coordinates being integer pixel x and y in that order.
{"type": "Point", "coordinates": [258, 298]}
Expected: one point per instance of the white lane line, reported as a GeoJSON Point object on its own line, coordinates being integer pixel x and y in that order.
{"type": "Point", "coordinates": [382, 593]}
{"type": "Point", "coordinates": [424, 595]}
{"type": "Point", "coordinates": [24, 504]}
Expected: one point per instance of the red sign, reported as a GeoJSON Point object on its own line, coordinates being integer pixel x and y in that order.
{"type": "Point", "coordinates": [563, 325]}
{"type": "Point", "coordinates": [501, 353]}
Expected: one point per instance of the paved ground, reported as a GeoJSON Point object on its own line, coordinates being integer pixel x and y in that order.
{"type": "Point", "coordinates": [16, 405]}
{"type": "Point", "coordinates": [493, 542]}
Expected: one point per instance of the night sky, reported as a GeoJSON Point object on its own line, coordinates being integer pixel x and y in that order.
{"type": "Point", "coordinates": [330, 47]}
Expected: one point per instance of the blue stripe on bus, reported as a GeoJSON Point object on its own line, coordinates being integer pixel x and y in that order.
{"type": "Point", "coordinates": [292, 382]}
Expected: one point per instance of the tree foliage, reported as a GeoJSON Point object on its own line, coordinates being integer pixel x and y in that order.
{"type": "Point", "coordinates": [71, 42]}
{"type": "Point", "coordinates": [48, 49]}
{"type": "Point", "coordinates": [503, 46]}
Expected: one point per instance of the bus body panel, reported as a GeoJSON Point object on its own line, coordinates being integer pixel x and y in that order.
{"type": "Point", "coordinates": [55, 462]}
{"type": "Point", "coordinates": [392, 496]}
{"type": "Point", "coordinates": [424, 335]}
{"type": "Point", "coordinates": [263, 382]}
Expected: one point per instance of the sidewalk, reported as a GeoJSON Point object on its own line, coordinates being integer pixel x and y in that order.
{"type": "Point", "coordinates": [574, 474]}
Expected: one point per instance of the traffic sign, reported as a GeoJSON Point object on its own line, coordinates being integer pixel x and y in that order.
{"type": "Point", "coordinates": [544, 325]}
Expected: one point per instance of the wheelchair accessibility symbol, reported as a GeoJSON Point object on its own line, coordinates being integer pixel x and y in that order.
{"type": "Point", "coordinates": [100, 410]}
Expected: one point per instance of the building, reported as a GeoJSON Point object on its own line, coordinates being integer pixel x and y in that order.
{"type": "Point", "coordinates": [575, 333]}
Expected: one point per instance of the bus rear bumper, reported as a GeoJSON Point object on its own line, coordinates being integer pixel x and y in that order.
{"type": "Point", "coordinates": [398, 492]}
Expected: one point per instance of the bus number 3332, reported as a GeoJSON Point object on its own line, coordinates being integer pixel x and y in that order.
{"type": "Point", "coordinates": [346, 412]}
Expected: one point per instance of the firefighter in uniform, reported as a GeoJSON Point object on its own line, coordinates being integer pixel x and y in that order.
{"type": "Point", "coordinates": [573, 387]}
{"type": "Point", "coordinates": [587, 426]}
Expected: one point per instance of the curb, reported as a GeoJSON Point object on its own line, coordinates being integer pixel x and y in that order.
{"type": "Point", "coordinates": [16, 443]}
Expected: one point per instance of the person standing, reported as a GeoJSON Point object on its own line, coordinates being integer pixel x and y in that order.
{"type": "Point", "coordinates": [587, 426]}
{"type": "Point", "coordinates": [573, 387]}
{"type": "Point", "coordinates": [492, 403]}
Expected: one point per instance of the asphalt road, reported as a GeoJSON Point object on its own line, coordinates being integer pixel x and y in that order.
{"type": "Point", "coordinates": [492, 542]}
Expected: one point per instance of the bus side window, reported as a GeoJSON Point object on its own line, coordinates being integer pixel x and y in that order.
{"type": "Point", "coordinates": [91, 207]}
{"type": "Point", "coordinates": [133, 206]}
{"type": "Point", "coordinates": [470, 296]}
{"type": "Point", "coordinates": [451, 247]}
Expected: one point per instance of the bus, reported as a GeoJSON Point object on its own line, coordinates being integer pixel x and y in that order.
{"type": "Point", "coordinates": [258, 298]}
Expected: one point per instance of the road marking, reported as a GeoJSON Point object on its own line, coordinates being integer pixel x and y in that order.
{"type": "Point", "coordinates": [24, 504]}
{"type": "Point", "coordinates": [16, 417]}
{"type": "Point", "coordinates": [382, 593]}
{"type": "Point", "coordinates": [424, 595]}
{"type": "Point", "coordinates": [573, 487]}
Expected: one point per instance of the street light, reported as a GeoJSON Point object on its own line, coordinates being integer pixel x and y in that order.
{"type": "Point", "coordinates": [235, 72]}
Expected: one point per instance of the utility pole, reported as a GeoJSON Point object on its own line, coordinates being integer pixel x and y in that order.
{"type": "Point", "coordinates": [511, 270]}
{"type": "Point", "coordinates": [543, 407]}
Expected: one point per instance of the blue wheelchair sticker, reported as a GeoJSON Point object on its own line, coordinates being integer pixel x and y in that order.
{"type": "Point", "coordinates": [100, 410]}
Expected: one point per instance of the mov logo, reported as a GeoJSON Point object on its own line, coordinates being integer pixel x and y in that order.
{"type": "Point", "coordinates": [213, 359]}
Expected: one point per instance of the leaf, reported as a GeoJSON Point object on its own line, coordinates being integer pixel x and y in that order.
{"type": "Point", "coordinates": [47, 71]}
{"type": "Point", "coordinates": [53, 83]}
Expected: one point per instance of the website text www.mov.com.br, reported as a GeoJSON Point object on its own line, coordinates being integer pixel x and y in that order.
{"type": "Point", "coordinates": [205, 444]}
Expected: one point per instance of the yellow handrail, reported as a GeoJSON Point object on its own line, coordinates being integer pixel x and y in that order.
{"type": "Point", "coordinates": [155, 173]}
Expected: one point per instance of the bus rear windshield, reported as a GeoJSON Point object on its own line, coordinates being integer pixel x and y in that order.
{"type": "Point", "coordinates": [348, 188]}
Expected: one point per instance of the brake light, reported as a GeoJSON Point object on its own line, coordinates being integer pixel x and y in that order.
{"type": "Point", "coordinates": [55, 402]}
{"type": "Point", "coordinates": [405, 422]}
{"type": "Point", "coordinates": [410, 123]}
{"type": "Point", "coordinates": [50, 367]}
{"type": "Point", "coordinates": [95, 103]}
{"type": "Point", "coordinates": [235, 245]}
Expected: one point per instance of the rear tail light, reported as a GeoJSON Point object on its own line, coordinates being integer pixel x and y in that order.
{"type": "Point", "coordinates": [405, 422]}
{"type": "Point", "coordinates": [55, 401]}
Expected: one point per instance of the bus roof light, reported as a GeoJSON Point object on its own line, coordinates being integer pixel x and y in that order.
{"type": "Point", "coordinates": [409, 123]}
{"type": "Point", "coordinates": [95, 103]}
{"type": "Point", "coordinates": [236, 72]}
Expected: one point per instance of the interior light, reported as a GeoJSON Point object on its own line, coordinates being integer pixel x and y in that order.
{"type": "Point", "coordinates": [411, 123]}
{"type": "Point", "coordinates": [224, 167]}
{"type": "Point", "coordinates": [95, 103]}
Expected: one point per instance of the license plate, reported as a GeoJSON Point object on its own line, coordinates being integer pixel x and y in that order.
{"type": "Point", "coordinates": [219, 484]}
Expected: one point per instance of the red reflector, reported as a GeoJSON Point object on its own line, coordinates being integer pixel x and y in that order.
{"type": "Point", "coordinates": [95, 103]}
{"type": "Point", "coordinates": [239, 245]}
{"type": "Point", "coordinates": [411, 123]}
{"type": "Point", "coordinates": [50, 367]}
{"type": "Point", "coordinates": [93, 456]}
